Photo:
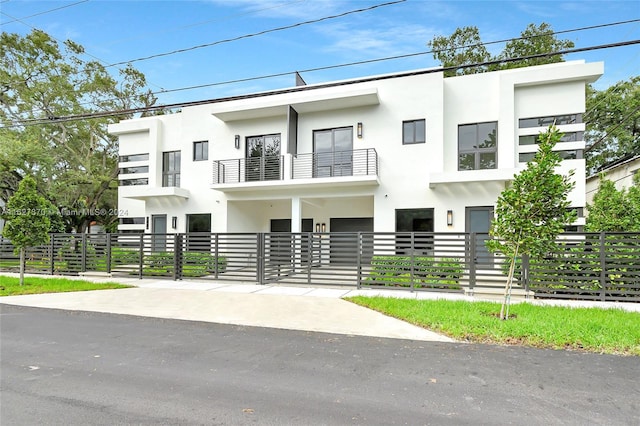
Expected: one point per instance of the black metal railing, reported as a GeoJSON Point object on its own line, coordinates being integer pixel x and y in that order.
{"type": "Point", "coordinates": [361, 162]}
{"type": "Point", "coordinates": [253, 169]}
{"type": "Point", "coordinates": [586, 266]}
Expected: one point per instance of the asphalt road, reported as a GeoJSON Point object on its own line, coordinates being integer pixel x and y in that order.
{"type": "Point", "coordinates": [76, 368]}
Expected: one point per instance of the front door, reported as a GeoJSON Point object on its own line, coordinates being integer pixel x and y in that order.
{"type": "Point", "coordinates": [159, 229]}
{"type": "Point", "coordinates": [478, 221]}
{"type": "Point", "coordinates": [263, 158]}
{"type": "Point", "coordinates": [333, 152]}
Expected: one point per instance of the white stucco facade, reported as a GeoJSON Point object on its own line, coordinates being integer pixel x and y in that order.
{"type": "Point", "coordinates": [376, 179]}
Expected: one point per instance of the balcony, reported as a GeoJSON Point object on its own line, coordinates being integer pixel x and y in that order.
{"type": "Point", "coordinates": [341, 168]}
{"type": "Point", "coordinates": [254, 169]}
{"type": "Point", "coordinates": [361, 162]}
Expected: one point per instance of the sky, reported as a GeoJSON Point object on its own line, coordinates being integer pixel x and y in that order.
{"type": "Point", "coordinates": [120, 31]}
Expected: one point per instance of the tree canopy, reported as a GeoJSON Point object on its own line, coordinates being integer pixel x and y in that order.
{"type": "Point", "coordinates": [74, 163]}
{"type": "Point", "coordinates": [464, 48]}
{"type": "Point", "coordinates": [615, 210]}
{"type": "Point", "coordinates": [613, 123]}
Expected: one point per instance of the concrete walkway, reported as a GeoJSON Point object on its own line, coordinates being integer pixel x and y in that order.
{"type": "Point", "coordinates": [275, 306]}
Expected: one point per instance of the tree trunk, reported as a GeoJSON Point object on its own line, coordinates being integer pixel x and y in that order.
{"type": "Point", "coordinates": [504, 310]}
{"type": "Point", "coordinates": [22, 262]}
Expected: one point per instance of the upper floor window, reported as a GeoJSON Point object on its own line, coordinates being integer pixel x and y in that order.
{"type": "Point", "coordinates": [171, 168]}
{"type": "Point", "coordinates": [413, 131]}
{"type": "Point", "coordinates": [566, 137]}
{"type": "Point", "coordinates": [477, 146]}
{"type": "Point", "coordinates": [200, 150]}
{"type": "Point", "coordinates": [134, 157]}
{"type": "Point", "coordinates": [547, 121]}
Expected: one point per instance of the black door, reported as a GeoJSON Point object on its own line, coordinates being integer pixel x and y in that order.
{"type": "Point", "coordinates": [478, 221]}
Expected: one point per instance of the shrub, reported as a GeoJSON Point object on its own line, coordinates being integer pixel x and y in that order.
{"type": "Point", "coordinates": [428, 272]}
{"type": "Point", "coordinates": [197, 264]}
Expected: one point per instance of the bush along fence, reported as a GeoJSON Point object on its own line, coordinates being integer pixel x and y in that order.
{"type": "Point", "coordinates": [589, 266]}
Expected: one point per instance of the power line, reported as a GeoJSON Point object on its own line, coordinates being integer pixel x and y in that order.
{"type": "Point", "coordinates": [41, 13]}
{"type": "Point", "coordinates": [287, 27]}
{"type": "Point", "coordinates": [37, 121]}
{"type": "Point", "coordinates": [608, 132]}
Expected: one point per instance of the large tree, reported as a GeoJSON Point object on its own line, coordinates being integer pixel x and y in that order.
{"type": "Point", "coordinates": [615, 210]}
{"type": "Point", "coordinates": [464, 48]}
{"type": "Point", "coordinates": [613, 123]}
{"type": "Point", "coordinates": [74, 162]}
{"type": "Point", "coordinates": [533, 210]}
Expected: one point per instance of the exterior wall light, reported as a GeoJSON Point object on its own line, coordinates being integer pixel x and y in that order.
{"type": "Point", "coordinates": [146, 222]}
{"type": "Point", "coordinates": [237, 141]}
{"type": "Point", "coordinates": [324, 227]}
{"type": "Point", "coordinates": [359, 131]}
{"type": "Point", "coordinates": [317, 227]}
{"type": "Point", "coordinates": [449, 217]}
{"type": "Point", "coordinates": [174, 222]}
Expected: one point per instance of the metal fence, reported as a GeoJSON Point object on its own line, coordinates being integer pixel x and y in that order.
{"type": "Point", "coordinates": [595, 266]}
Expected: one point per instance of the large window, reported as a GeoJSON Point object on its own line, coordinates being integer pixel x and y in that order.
{"type": "Point", "coordinates": [413, 131]}
{"type": "Point", "coordinates": [200, 150]}
{"type": "Point", "coordinates": [171, 168]}
{"type": "Point", "coordinates": [263, 158]}
{"type": "Point", "coordinates": [134, 157]}
{"type": "Point", "coordinates": [477, 146]}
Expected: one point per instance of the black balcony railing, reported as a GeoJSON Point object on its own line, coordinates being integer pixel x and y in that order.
{"type": "Point", "coordinates": [361, 162]}
{"type": "Point", "coordinates": [254, 169]}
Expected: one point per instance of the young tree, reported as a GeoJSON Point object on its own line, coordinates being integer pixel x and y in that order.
{"type": "Point", "coordinates": [532, 211]}
{"type": "Point", "coordinates": [27, 219]}
{"type": "Point", "coordinates": [73, 162]}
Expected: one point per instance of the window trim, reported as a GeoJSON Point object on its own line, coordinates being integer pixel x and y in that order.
{"type": "Point", "coordinates": [414, 139]}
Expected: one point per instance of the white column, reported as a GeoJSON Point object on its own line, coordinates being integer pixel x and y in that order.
{"type": "Point", "coordinates": [296, 214]}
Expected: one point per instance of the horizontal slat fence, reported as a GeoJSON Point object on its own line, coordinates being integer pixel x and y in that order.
{"type": "Point", "coordinates": [587, 266]}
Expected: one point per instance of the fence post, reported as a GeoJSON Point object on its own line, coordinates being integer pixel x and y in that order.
{"type": "Point", "coordinates": [412, 252]}
{"type": "Point", "coordinates": [216, 254]}
{"type": "Point", "coordinates": [141, 258]}
{"type": "Point", "coordinates": [53, 251]}
{"type": "Point", "coordinates": [109, 253]}
{"type": "Point", "coordinates": [83, 263]}
{"type": "Point", "coordinates": [603, 266]}
{"type": "Point", "coordinates": [472, 261]}
{"type": "Point", "coordinates": [260, 259]}
{"type": "Point", "coordinates": [524, 276]}
{"type": "Point", "coordinates": [359, 261]}
{"type": "Point", "coordinates": [177, 258]}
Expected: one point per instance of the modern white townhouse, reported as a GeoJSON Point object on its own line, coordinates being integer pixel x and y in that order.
{"type": "Point", "coordinates": [411, 151]}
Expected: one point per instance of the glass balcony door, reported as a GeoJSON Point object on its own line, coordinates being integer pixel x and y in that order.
{"type": "Point", "coordinates": [333, 152]}
{"type": "Point", "coordinates": [263, 158]}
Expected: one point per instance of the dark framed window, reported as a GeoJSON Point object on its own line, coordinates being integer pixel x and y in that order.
{"type": "Point", "coordinates": [200, 150]}
{"type": "Point", "coordinates": [478, 146]}
{"type": "Point", "coordinates": [171, 168]}
{"type": "Point", "coordinates": [414, 220]}
{"type": "Point", "coordinates": [414, 131]}
{"type": "Point", "coordinates": [134, 182]}
{"type": "Point", "coordinates": [333, 152]}
{"type": "Point", "coordinates": [567, 137]}
{"type": "Point", "coordinates": [132, 221]}
{"type": "Point", "coordinates": [133, 170]}
{"type": "Point", "coordinates": [199, 223]}
{"type": "Point", "coordinates": [134, 157]}
{"type": "Point", "coordinates": [573, 154]}
{"type": "Point", "coordinates": [549, 120]}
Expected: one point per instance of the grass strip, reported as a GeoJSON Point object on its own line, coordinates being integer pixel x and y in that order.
{"type": "Point", "coordinates": [10, 286]}
{"type": "Point", "coordinates": [611, 331]}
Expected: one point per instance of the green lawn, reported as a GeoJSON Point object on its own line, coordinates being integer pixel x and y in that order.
{"type": "Point", "coordinates": [612, 331]}
{"type": "Point", "coordinates": [10, 286]}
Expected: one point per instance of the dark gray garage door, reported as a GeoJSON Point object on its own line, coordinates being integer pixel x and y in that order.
{"type": "Point", "coordinates": [344, 238]}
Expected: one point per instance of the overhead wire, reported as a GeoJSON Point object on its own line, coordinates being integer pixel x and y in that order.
{"type": "Point", "coordinates": [49, 120]}
{"type": "Point", "coordinates": [40, 13]}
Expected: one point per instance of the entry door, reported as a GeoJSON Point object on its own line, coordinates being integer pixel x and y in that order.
{"type": "Point", "coordinates": [159, 227]}
{"type": "Point", "coordinates": [333, 152]}
{"type": "Point", "coordinates": [263, 158]}
{"type": "Point", "coordinates": [478, 220]}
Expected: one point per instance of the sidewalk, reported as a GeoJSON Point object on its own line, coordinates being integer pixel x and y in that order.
{"type": "Point", "coordinates": [287, 307]}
